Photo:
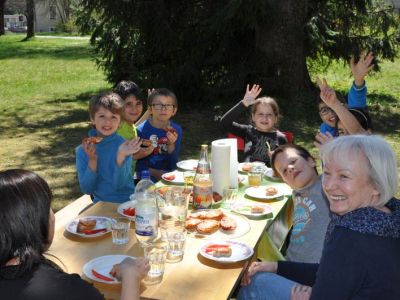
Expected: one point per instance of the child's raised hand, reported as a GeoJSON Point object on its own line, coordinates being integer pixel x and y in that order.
{"type": "Point", "coordinates": [149, 91]}
{"type": "Point", "coordinates": [89, 149]}
{"type": "Point", "coordinates": [251, 94]}
{"type": "Point", "coordinates": [321, 139]}
{"type": "Point", "coordinates": [362, 67]}
{"type": "Point", "coordinates": [130, 147]}
{"type": "Point", "coordinates": [327, 94]}
{"type": "Point", "coordinates": [172, 136]}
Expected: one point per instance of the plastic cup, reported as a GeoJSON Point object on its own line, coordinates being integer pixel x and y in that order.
{"type": "Point", "coordinates": [120, 230]}
{"type": "Point", "coordinates": [176, 245]}
{"type": "Point", "coordinates": [254, 178]}
{"type": "Point", "coordinates": [157, 254]}
{"type": "Point", "coordinates": [229, 196]}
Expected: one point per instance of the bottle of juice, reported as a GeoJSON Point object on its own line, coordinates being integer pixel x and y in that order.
{"type": "Point", "coordinates": [202, 183]}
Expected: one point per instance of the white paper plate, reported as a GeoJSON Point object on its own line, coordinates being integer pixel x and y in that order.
{"type": "Point", "coordinates": [269, 173]}
{"type": "Point", "coordinates": [240, 166]}
{"type": "Point", "coordinates": [243, 226]}
{"type": "Point", "coordinates": [103, 265]}
{"type": "Point", "coordinates": [260, 192]}
{"type": "Point", "coordinates": [244, 208]}
{"type": "Point", "coordinates": [188, 165]}
{"type": "Point", "coordinates": [177, 177]}
{"type": "Point", "coordinates": [125, 205]}
{"type": "Point", "coordinates": [101, 222]}
{"type": "Point", "coordinates": [240, 251]}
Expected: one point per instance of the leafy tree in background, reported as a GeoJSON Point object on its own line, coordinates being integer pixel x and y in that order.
{"type": "Point", "coordinates": [208, 50]}
{"type": "Point", "coordinates": [30, 19]}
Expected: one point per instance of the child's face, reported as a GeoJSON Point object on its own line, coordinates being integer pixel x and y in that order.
{"type": "Point", "coordinates": [264, 118]}
{"type": "Point", "coordinates": [163, 108]}
{"type": "Point", "coordinates": [296, 171]}
{"type": "Point", "coordinates": [327, 114]}
{"type": "Point", "coordinates": [106, 122]}
{"type": "Point", "coordinates": [133, 109]}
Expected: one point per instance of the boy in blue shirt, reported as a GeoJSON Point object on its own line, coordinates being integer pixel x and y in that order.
{"type": "Point", "coordinates": [104, 160]}
{"type": "Point", "coordinates": [357, 97]}
{"type": "Point", "coordinates": [164, 134]}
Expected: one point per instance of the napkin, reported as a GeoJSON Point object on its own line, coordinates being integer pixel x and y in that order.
{"type": "Point", "coordinates": [224, 164]}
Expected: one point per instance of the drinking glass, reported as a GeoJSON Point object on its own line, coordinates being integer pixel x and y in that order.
{"type": "Point", "coordinates": [120, 230]}
{"type": "Point", "coordinates": [176, 239]}
{"type": "Point", "coordinates": [229, 196]}
{"type": "Point", "coordinates": [157, 254]}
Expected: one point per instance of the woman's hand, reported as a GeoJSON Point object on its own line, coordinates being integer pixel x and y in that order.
{"type": "Point", "coordinates": [300, 292]}
{"type": "Point", "coordinates": [251, 94]}
{"type": "Point", "coordinates": [257, 266]}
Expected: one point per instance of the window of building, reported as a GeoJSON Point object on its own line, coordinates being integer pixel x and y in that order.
{"type": "Point", "coordinates": [53, 12]}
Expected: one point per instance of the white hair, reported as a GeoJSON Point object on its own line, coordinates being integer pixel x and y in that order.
{"type": "Point", "coordinates": [381, 160]}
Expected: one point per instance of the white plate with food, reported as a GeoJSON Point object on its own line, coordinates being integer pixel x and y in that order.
{"type": "Point", "coordinates": [265, 192]}
{"type": "Point", "coordinates": [252, 209]}
{"type": "Point", "coordinates": [127, 209]}
{"type": "Point", "coordinates": [99, 268]}
{"type": "Point", "coordinates": [89, 226]}
{"type": "Point", "coordinates": [269, 173]}
{"type": "Point", "coordinates": [244, 167]}
{"type": "Point", "coordinates": [226, 251]}
{"type": "Point", "coordinates": [216, 224]}
{"type": "Point", "coordinates": [188, 165]}
{"type": "Point", "coordinates": [175, 177]}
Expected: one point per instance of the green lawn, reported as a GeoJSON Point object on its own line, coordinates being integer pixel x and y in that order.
{"type": "Point", "coordinates": [45, 85]}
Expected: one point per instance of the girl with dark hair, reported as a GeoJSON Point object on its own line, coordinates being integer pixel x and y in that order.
{"type": "Point", "coordinates": [26, 232]}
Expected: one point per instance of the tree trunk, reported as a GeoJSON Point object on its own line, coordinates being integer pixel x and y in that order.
{"type": "Point", "coordinates": [281, 39]}
{"type": "Point", "coordinates": [2, 3]}
{"type": "Point", "coordinates": [30, 18]}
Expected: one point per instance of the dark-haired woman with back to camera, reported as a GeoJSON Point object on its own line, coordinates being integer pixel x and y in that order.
{"type": "Point", "coordinates": [26, 232]}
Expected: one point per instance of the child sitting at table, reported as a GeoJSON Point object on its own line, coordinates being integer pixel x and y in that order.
{"type": "Point", "coordinates": [261, 137]}
{"type": "Point", "coordinates": [133, 109]}
{"type": "Point", "coordinates": [311, 216]}
{"type": "Point", "coordinates": [27, 230]}
{"type": "Point", "coordinates": [104, 159]}
{"type": "Point", "coordinates": [164, 134]}
{"type": "Point", "coordinates": [356, 98]}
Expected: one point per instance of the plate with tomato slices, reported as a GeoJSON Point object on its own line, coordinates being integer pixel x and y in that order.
{"type": "Point", "coordinates": [99, 268]}
{"type": "Point", "coordinates": [226, 251]}
{"type": "Point", "coordinates": [188, 165]}
{"type": "Point", "coordinates": [127, 209]}
{"type": "Point", "coordinates": [175, 177]}
{"type": "Point", "coordinates": [101, 227]}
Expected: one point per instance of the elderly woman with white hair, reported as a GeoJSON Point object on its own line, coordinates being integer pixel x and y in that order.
{"type": "Point", "coordinates": [361, 255]}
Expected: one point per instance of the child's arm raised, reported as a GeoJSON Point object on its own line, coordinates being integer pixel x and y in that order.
{"type": "Point", "coordinates": [328, 95]}
{"type": "Point", "coordinates": [361, 68]}
{"type": "Point", "coordinates": [90, 150]}
{"type": "Point", "coordinates": [250, 95]}
{"type": "Point", "coordinates": [127, 148]}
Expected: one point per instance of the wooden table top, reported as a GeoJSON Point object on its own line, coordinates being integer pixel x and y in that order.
{"type": "Point", "coordinates": [195, 277]}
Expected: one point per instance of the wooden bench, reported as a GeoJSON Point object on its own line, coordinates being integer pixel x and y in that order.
{"type": "Point", "coordinates": [71, 211]}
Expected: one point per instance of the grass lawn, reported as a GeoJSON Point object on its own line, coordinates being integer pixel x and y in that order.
{"type": "Point", "coordinates": [45, 85]}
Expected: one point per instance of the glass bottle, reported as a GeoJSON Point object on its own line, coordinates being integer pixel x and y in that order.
{"type": "Point", "coordinates": [202, 183]}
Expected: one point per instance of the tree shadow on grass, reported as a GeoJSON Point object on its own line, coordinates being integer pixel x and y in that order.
{"type": "Point", "coordinates": [64, 52]}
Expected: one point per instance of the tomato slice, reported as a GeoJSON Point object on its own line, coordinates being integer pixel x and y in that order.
{"type": "Point", "coordinates": [169, 177]}
{"type": "Point", "coordinates": [101, 276]}
{"type": "Point", "coordinates": [130, 211]}
{"type": "Point", "coordinates": [94, 231]}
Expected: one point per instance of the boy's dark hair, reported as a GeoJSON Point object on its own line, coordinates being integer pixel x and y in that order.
{"type": "Point", "coordinates": [161, 92]}
{"type": "Point", "coordinates": [300, 151]}
{"type": "Point", "coordinates": [109, 100]}
{"type": "Point", "coordinates": [362, 117]}
{"type": "Point", "coordinates": [24, 218]}
{"type": "Point", "coordinates": [127, 88]}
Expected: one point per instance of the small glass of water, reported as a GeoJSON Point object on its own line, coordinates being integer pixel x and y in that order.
{"type": "Point", "coordinates": [229, 196]}
{"type": "Point", "coordinates": [176, 244]}
{"type": "Point", "coordinates": [157, 254]}
{"type": "Point", "coordinates": [120, 230]}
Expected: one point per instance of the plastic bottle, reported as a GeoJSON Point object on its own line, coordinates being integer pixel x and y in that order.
{"type": "Point", "coordinates": [146, 220]}
{"type": "Point", "coordinates": [202, 183]}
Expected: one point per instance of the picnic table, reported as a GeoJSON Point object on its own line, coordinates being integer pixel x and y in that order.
{"type": "Point", "coordinates": [195, 277]}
